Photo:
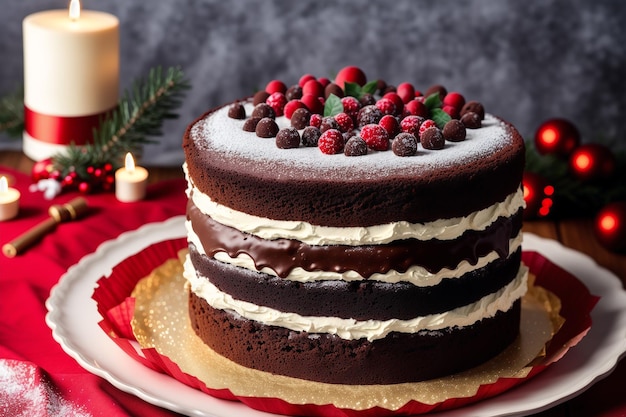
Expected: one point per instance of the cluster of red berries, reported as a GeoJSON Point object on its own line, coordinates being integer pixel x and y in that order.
{"type": "Point", "coordinates": [94, 177]}
{"type": "Point", "coordinates": [400, 118]}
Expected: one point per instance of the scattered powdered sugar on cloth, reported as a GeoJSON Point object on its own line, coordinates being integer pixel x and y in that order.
{"type": "Point", "coordinates": [24, 392]}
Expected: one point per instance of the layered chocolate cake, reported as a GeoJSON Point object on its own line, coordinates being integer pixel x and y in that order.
{"type": "Point", "coordinates": [354, 233]}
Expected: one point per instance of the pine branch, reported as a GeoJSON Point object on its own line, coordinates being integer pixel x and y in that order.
{"type": "Point", "coordinates": [139, 114]}
{"type": "Point", "coordinates": [12, 114]}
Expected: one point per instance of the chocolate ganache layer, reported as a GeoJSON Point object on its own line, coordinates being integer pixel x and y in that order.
{"type": "Point", "coordinates": [282, 255]}
{"type": "Point", "coordinates": [249, 174]}
{"type": "Point", "coordinates": [327, 358]}
{"type": "Point", "coordinates": [360, 300]}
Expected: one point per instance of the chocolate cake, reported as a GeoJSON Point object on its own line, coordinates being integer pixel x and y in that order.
{"type": "Point", "coordinates": [354, 233]}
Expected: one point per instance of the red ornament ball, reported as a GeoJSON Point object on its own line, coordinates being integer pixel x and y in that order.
{"type": "Point", "coordinates": [610, 227]}
{"type": "Point", "coordinates": [537, 195]}
{"type": "Point", "coordinates": [42, 170]}
{"type": "Point", "coordinates": [557, 136]}
{"type": "Point", "coordinates": [591, 162]}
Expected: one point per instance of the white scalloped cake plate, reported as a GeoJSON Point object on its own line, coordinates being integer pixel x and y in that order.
{"type": "Point", "coordinates": [83, 339]}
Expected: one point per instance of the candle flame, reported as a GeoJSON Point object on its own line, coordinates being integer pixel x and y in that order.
{"type": "Point", "coordinates": [129, 164]}
{"type": "Point", "coordinates": [4, 185]}
{"type": "Point", "coordinates": [74, 9]}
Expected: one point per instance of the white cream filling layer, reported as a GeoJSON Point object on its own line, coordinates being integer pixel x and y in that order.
{"type": "Point", "coordinates": [443, 229]}
{"type": "Point", "coordinates": [415, 275]}
{"type": "Point", "coordinates": [351, 329]}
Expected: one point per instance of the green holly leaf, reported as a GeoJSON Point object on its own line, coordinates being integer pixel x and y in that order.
{"type": "Point", "coordinates": [433, 101]}
{"type": "Point", "coordinates": [440, 117]}
{"type": "Point", "coordinates": [333, 106]}
{"type": "Point", "coordinates": [369, 88]}
{"type": "Point", "coordinates": [353, 89]}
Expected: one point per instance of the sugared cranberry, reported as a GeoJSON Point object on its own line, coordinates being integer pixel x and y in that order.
{"type": "Point", "coordinates": [437, 88]}
{"type": "Point", "coordinates": [237, 111]}
{"type": "Point", "coordinates": [262, 110]}
{"type": "Point", "coordinates": [390, 124]}
{"type": "Point", "coordinates": [411, 124]}
{"type": "Point", "coordinates": [310, 136]}
{"type": "Point", "coordinates": [455, 100]}
{"type": "Point", "coordinates": [316, 120]}
{"type": "Point", "coordinates": [313, 87]}
{"type": "Point", "coordinates": [300, 118]}
{"type": "Point", "coordinates": [451, 111]}
{"type": "Point", "coordinates": [355, 146]}
{"type": "Point", "coordinates": [350, 74]}
{"type": "Point", "coordinates": [397, 100]}
{"type": "Point", "coordinates": [294, 93]}
{"type": "Point", "coordinates": [292, 106]}
{"type": "Point", "coordinates": [330, 142]}
{"type": "Point", "coordinates": [304, 79]}
{"type": "Point", "coordinates": [344, 122]}
{"type": "Point", "coordinates": [277, 102]}
{"type": "Point", "coordinates": [288, 138]}
{"type": "Point", "coordinates": [375, 136]}
{"type": "Point", "coordinates": [405, 144]}
{"type": "Point", "coordinates": [266, 128]}
{"type": "Point", "coordinates": [369, 115]}
{"type": "Point", "coordinates": [386, 106]}
{"type": "Point", "coordinates": [406, 91]}
{"type": "Point", "coordinates": [333, 88]}
{"type": "Point", "coordinates": [367, 100]}
{"type": "Point", "coordinates": [260, 97]}
{"type": "Point", "coordinates": [416, 108]}
{"type": "Point", "coordinates": [454, 131]}
{"type": "Point", "coordinates": [351, 107]}
{"type": "Point", "coordinates": [471, 120]}
{"type": "Point", "coordinates": [312, 103]}
{"type": "Point", "coordinates": [475, 107]}
{"type": "Point", "coordinates": [250, 124]}
{"type": "Point", "coordinates": [324, 81]}
{"type": "Point", "coordinates": [427, 124]}
{"type": "Point", "coordinates": [432, 138]}
{"type": "Point", "coordinates": [276, 86]}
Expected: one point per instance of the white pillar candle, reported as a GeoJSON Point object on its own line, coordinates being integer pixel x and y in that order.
{"type": "Point", "coordinates": [71, 77]}
{"type": "Point", "coordinates": [130, 181]}
{"type": "Point", "coordinates": [9, 200]}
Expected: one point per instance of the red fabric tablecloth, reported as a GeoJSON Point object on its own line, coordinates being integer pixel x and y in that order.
{"type": "Point", "coordinates": [37, 378]}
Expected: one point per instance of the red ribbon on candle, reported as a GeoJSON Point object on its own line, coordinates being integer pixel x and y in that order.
{"type": "Point", "coordinates": [61, 130]}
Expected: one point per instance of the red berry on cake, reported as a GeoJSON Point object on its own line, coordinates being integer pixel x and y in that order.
{"type": "Point", "coordinates": [405, 144]}
{"type": "Point", "coordinates": [304, 79]}
{"type": "Point", "coordinates": [432, 138]}
{"type": "Point", "coordinates": [351, 107]}
{"type": "Point", "coordinates": [406, 91]}
{"type": "Point", "coordinates": [355, 146]}
{"type": "Point", "coordinates": [427, 124]}
{"type": "Point", "coordinates": [324, 81]}
{"type": "Point", "coordinates": [291, 107]}
{"type": "Point", "coordinates": [375, 136]}
{"type": "Point", "coordinates": [417, 107]}
{"type": "Point", "coordinates": [288, 138]}
{"type": "Point", "coordinates": [397, 100]}
{"type": "Point", "coordinates": [276, 86]}
{"type": "Point", "coordinates": [386, 106]}
{"type": "Point", "coordinates": [411, 124]}
{"type": "Point", "coordinates": [344, 122]}
{"type": "Point", "coordinates": [350, 74]}
{"type": "Point", "coordinates": [313, 87]}
{"type": "Point", "coordinates": [330, 142]}
{"type": "Point", "coordinates": [312, 103]}
{"type": "Point", "coordinates": [315, 120]}
{"type": "Point", "coordinates": [455, 100]}
{"type": "Point", "coordinates": [451, 111]}
{"type": "Point", "coordinates": [390, 124]}
{"type": "Point", "coordinates": [277, 101]}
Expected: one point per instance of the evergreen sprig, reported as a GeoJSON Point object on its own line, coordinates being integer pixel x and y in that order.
{"type": "Point", "coordinates": [12, 113]}
{"type": "Point", "coordinates": [573, 197]}
{"type": "Point", "coordinates": [140, 113]}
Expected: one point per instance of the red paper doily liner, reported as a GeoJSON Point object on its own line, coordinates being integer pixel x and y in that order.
{"type": "Point", "coordinates": [115, 305]}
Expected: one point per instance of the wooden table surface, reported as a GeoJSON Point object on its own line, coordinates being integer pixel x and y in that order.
{"type": "Point", "coordinates": [573, 233]}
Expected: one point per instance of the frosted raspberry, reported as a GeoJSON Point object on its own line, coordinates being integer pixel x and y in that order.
{"type": "Point", "coordinates": [427, 124]}
{"type": "Point", "coordinates": [405, 144]}
{"type": "Point", "coordinates": [375, 136]}
{"type": "Point", "coordinates": [277, 102]}
{"type": "Point", "coordinates": [351, 107]}
{"type": "Point", "coordinates": [276, 86]}
{"type": "Point", "coordinates": [390, 124]}
{"type": "Point", "coordinates": [315, 120]}
{"type": "Point", "coordinates": [355, 146]}
{"type": "Point", "coordinates": [344, 122]}
{"type": "Point", "coordinates": [386, 106]}
{"type": "Point", "coordinates": [411, 124]}
{"type": "Point", "coordinates": [331, 142]}
{"type": "Point", "coordinates": [291, 107]}
{"type": "Point", "coordinates": [397, 100]}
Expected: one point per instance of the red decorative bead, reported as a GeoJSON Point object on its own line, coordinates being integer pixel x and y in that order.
{"type": "Point", "coordinates": [84, 187]}
{"type": "Point", "coordinates": [610, 226]}
{"type": "Point", "coordinates": [591, 162]}
{"type": "Point", "coordinates": [537, 195]}
{"type": "Point", "coordinates": [42, 169]}
{"type": "Point", "coordinates": [557, 136]}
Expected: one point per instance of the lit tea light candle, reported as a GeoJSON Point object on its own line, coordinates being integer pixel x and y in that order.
{"type": "Point", "coordinates": [130, 181]}
{"type": "Point", "coordinates": [71, 77]}
{"type": "Point", "coordinates": [9, 200]}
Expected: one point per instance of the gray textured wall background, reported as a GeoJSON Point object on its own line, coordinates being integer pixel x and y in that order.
{"type": "Point", "coordinates": [527, 61]}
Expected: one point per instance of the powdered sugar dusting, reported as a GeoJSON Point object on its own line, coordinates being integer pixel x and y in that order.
{"type": "Point", "coordinates": [24, 393]}
{"type": "Point", "coordinates": [225, 135]}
